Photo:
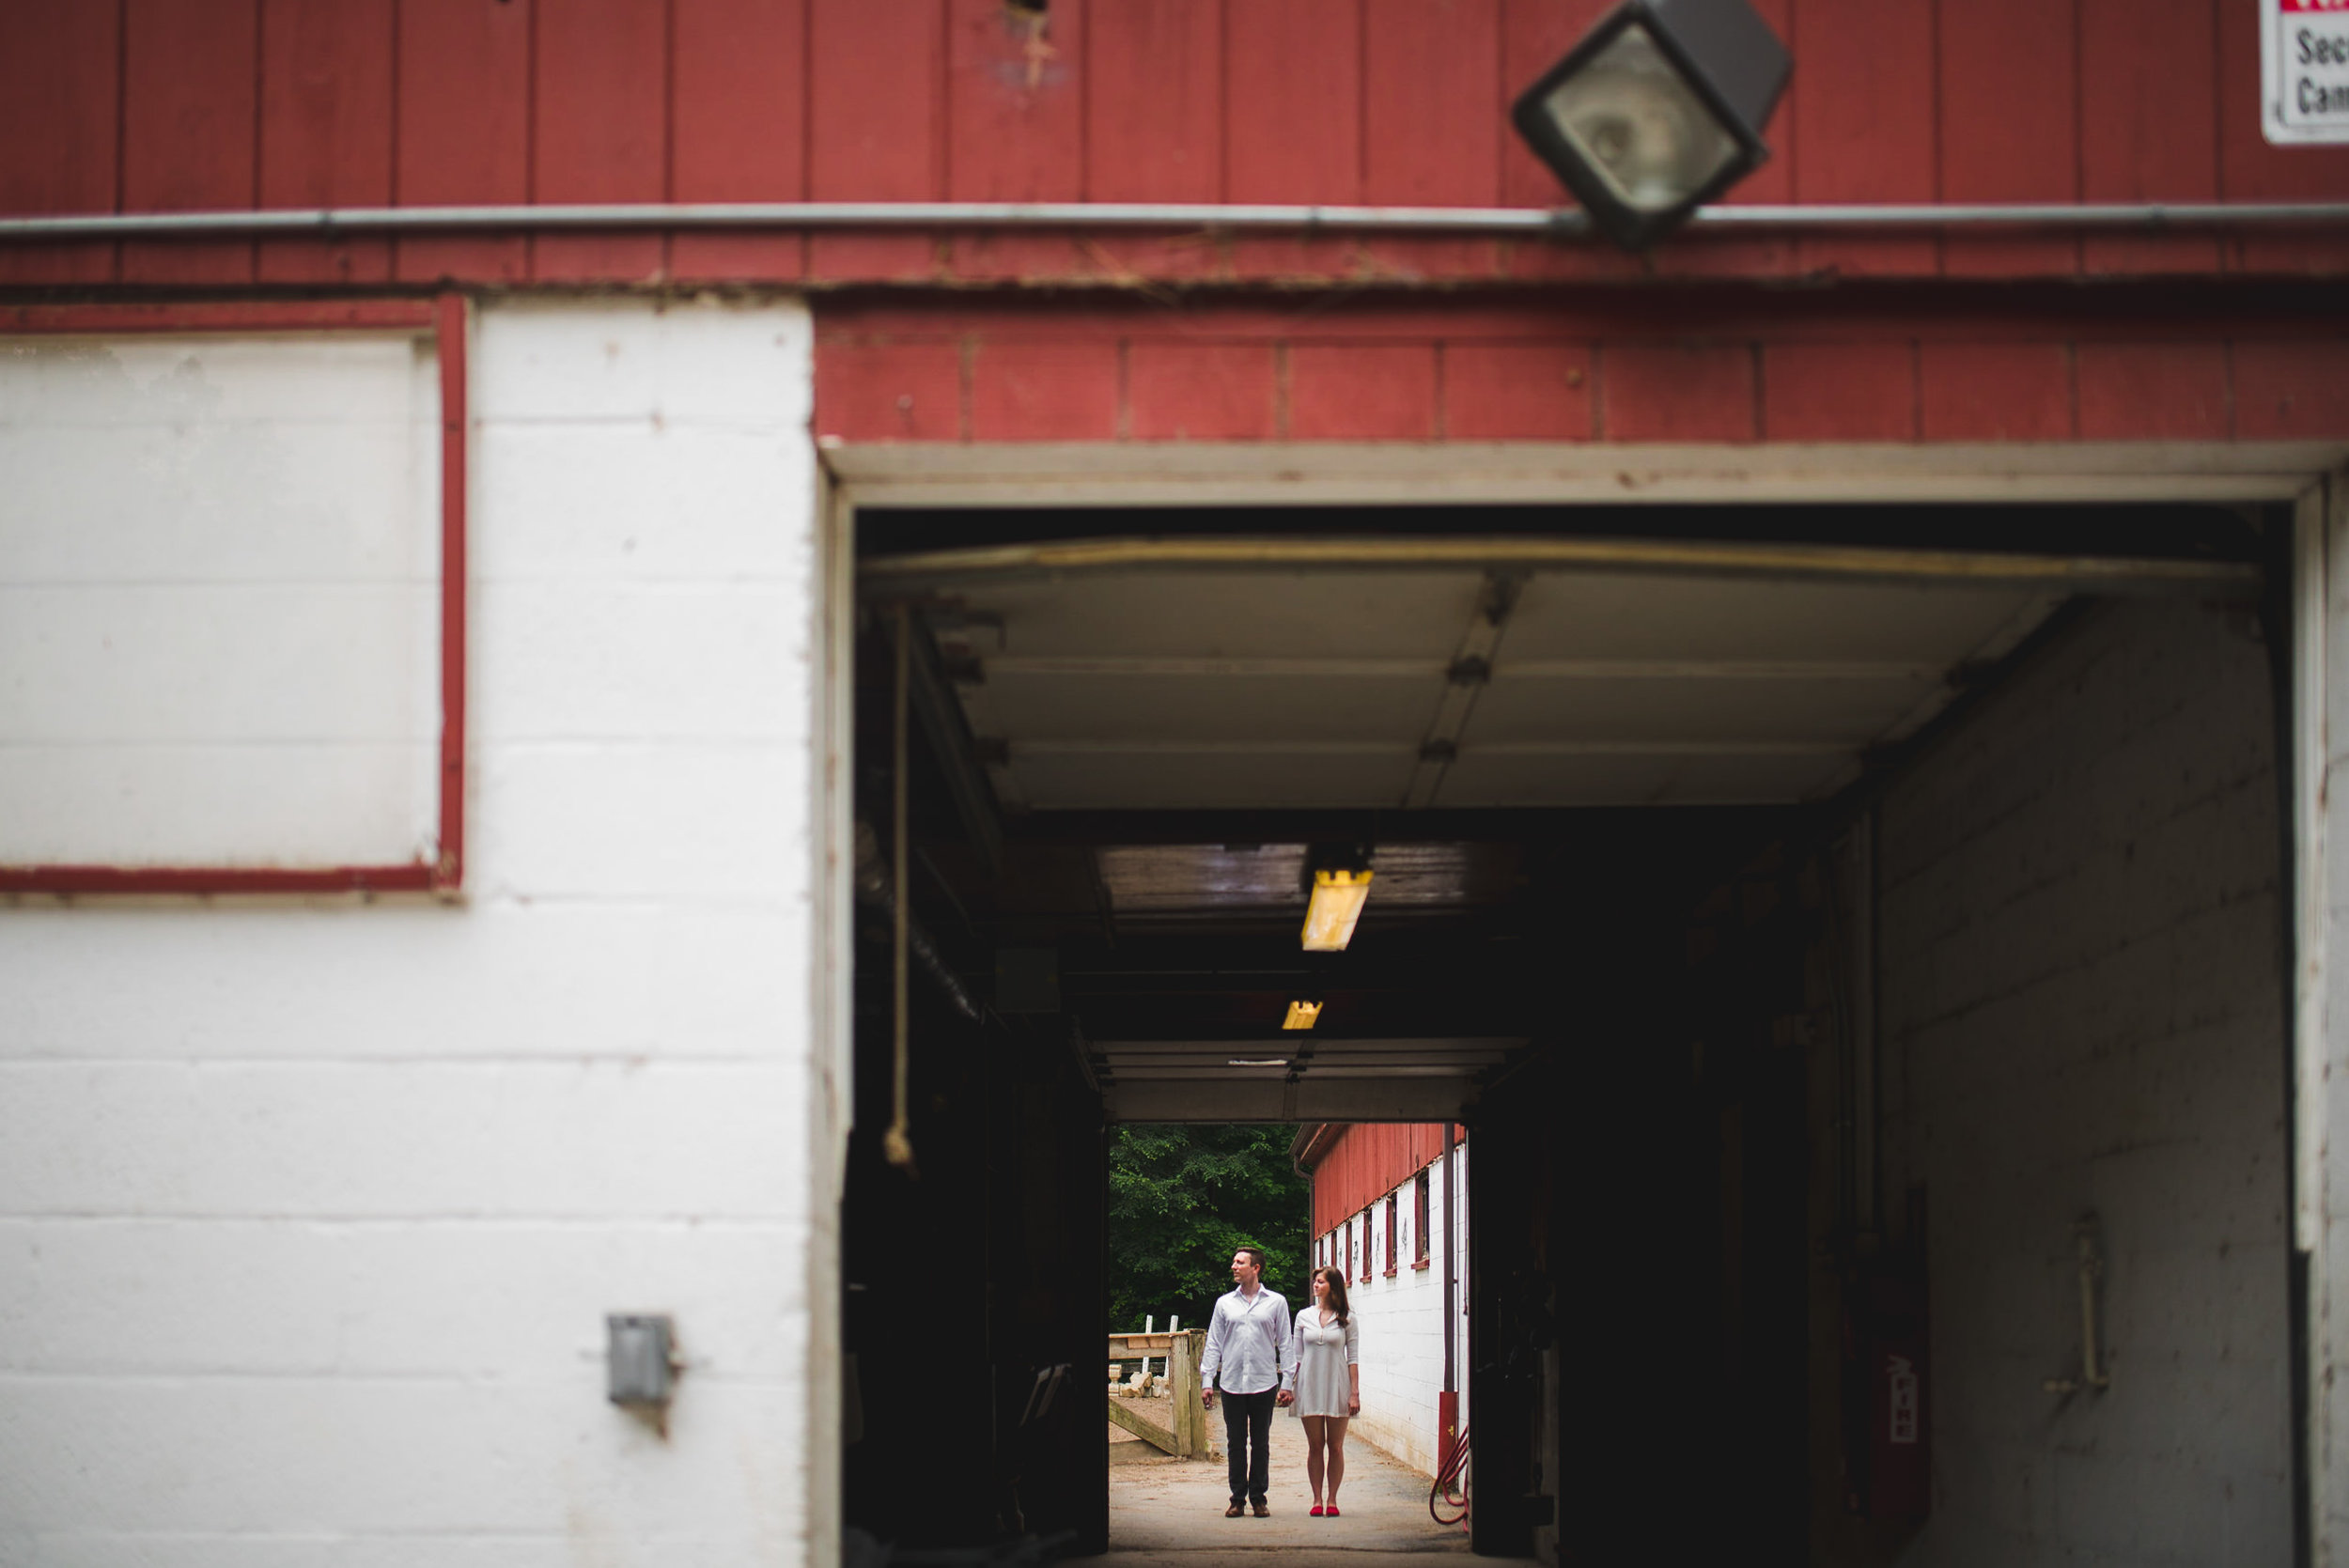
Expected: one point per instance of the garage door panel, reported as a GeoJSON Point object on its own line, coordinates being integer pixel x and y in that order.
{"type": "Point", "coordinates": [1174, 707]}
{"type": "Point", "coordinates": [1147, 779]}
{"type": "Point", "coordinates": [1854, 711]}
{"type": "Point", "coordinates": [1173, 612]}
{"type": "Point", "coordinates": [1637, 778]}
{"type": "Point", "coordinates": [1632, 616]}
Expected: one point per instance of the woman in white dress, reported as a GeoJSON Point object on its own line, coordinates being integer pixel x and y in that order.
{"type": "Point", "coordinates": [1328, 1376]}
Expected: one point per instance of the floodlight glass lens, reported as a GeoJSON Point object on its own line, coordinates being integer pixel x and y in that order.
{"type": "Point", "coordinates": [1640, 126]}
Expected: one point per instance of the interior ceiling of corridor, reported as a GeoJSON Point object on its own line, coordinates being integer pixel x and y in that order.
{"type": "Point", "coordinates": [1127, 700]}
{"type": "Point", "coordinates": [1168, 688]}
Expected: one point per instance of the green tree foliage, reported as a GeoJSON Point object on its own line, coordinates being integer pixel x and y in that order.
{"type": "Point", "coordinates": [1182, 1198]}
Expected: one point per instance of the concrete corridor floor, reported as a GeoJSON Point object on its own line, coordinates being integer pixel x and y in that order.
{"type": "Point", "coordinates": [1168, 1513]}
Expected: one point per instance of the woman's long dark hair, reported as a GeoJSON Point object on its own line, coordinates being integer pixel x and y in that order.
{"type": "Point", "coordinates": [1337, 1291]}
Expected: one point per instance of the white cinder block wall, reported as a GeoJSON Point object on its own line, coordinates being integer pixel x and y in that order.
{"type": "Point", "coordinates": [310, 1213]}
{"type": "Point", "coordinates": [1402, 1322]}
{"type": "Point", "coordinates": [2081, 1011]}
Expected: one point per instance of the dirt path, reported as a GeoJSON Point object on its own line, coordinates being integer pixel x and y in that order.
{"type": "Point", "coordinates": [1160, 1506]}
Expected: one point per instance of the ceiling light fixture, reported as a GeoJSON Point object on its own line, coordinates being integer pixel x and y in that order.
{"type": "Point", "coordinates": [1337, 904]}
{"type": "Point", "coordinates": [1656, 111]}
{"type": "Point", "coordinates": [1257, 1061]}
{"type": "Point", "coordinates": [1302, 1014]}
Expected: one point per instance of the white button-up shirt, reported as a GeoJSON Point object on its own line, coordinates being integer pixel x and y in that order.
{"type": "Point", "coordinates": [1248, 1344]}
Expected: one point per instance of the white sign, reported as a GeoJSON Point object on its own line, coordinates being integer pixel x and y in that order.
{"type": "Point", "coordinates": [2304, 71]}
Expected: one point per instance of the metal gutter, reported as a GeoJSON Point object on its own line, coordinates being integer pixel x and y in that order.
{"type": "Point", "coordinates": [325, 221]}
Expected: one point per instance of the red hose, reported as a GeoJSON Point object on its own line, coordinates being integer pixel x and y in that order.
{"type": "Point", "coordinates": [1451, 1490]}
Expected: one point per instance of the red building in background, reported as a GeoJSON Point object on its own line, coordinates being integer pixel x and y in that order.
{"type": "Point", "coordinates": [1388, 1200]}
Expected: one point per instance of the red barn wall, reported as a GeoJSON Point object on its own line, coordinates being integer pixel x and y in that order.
{"type": "Point", "coordinates": [147, 106]}
{"type": "Point", "coordinates": [1703, 366]}
{"type": "Point", "coordinates": [1368, 1160]}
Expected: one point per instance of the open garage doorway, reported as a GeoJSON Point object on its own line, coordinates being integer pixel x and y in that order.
{"type": "Point", "coordinates": [1852, 938]}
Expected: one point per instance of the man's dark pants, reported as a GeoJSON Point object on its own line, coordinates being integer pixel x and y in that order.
{"type": "Point", "coordinates": [1251, 1462]}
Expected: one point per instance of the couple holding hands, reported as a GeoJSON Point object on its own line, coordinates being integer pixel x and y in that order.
{"type": "Point", "coordinates": [1258, 1357]}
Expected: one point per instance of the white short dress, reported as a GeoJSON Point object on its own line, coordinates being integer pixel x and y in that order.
{"type": "Point", "coordinates": [1323, 1354]}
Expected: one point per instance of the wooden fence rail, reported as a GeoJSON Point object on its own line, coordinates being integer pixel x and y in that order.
{"type": "Point", "coordinates": [1185, 1436]}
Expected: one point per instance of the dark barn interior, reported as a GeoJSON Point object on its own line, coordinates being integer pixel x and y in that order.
{"type": "Point", "coordinates": [1629, 781]}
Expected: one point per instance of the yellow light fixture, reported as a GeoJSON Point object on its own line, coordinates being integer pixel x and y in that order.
{"type": "Point", "coordinates": [1337, 904]}
{"type": "Point", "coordinates": [1302, 1015]}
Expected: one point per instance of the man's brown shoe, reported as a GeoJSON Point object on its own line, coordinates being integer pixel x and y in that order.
{"type": "Point", "coordinates": [1233, 1512]}
{"type": "Point", "coordinates": [1263, 1512]}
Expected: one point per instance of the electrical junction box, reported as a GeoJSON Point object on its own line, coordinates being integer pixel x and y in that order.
{"type": "Point", "coordinates": [642, 1369]}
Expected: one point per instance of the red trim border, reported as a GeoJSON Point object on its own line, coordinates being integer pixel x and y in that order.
{"type": "Point", "coordinates": [444, 319]}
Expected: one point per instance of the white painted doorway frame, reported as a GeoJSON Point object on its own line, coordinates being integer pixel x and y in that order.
{"type": "Point", "coordinates": [2313, 476]}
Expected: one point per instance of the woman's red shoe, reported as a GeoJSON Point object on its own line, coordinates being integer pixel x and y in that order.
{"type": "Point", "coordinates": [1314, 1511]}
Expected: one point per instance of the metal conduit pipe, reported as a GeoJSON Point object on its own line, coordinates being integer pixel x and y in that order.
{"type": "Point", "coordinates": [1566, 222]}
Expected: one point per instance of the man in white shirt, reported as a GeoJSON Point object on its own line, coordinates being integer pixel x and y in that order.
{"type": "Point", "coordinates": [1247, 1361]}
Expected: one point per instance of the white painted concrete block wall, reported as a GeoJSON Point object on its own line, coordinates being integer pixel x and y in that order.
{"type": "Point", "coordinates": [2081, 1010]}
{"type": "Point", "coordinates": [310, 1213]}
{"type": "Point", "coordinates": [1402, 1334]}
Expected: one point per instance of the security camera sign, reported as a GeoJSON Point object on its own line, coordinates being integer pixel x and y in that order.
{"type": "Point", "coordinates": [2304, 74]}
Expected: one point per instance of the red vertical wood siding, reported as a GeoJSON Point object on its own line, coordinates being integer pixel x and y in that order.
{"type": "Point", "coordinates": [877, 126]}
{"type": "Point", "coordinates": [2149, 126]}
{"type": "Point", "coordinates": [738, 128]}
{"type": "Point", "coordinates": [1294, 89]}
{"type": "Point", "coordinates": [1838, 392]}
{"type": "Point", "coordinates": [1016, 114]}
{"type": "Point", "coordinates": [2152, 391]}
{"type": "Point", "coordinates": [1431, 90]}
{"type": "Point", "coordinates": [1432, 124]}
{"type": "Point", "coordinates": [1337, 389]}
{"type": "Point", "coordinates": [600, 129]}
{"type": "Point", "coordinates": [1203, 391]}
{"type": "Point", "coordinates": [232, 104]}
{"type": "Point", "coordinates": [1517, 390]}
{"type": "Point", "coordinates": [2289, 391]}
{"type": "Point", "coordinates": [464, 131]}
{"type": "Point", "coordinates": [1015, 105]}
{"type": "Point", "coordinates": [326, 130]}
{"type": "Point", "coordinates": [60, 80]}
{"type": "Point", "coordinates": [1154, 104]}
{"type": "Point", "coordinates": [2009, 82]}
{"type": "Point", "coordinates": [1597, 368]}
{"type": "Point", "coordinates": [1673, 392]}
{"type": "Point", "coordinates": [1365, 1162]}
{"type": "Point", "coordinates": [879, 390]}
{"type": "Point", "coordinates": [1861, 104]}
{"type": "Point", "coordinates": [1994, 390]}
{"type": "Point", "coordinates": [1043, 392]}
{"type": "Point", "coordinates": [188, 130]}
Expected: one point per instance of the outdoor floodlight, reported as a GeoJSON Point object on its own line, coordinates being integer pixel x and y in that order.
{"type": "Point", "coordinates": [1656, 111]}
